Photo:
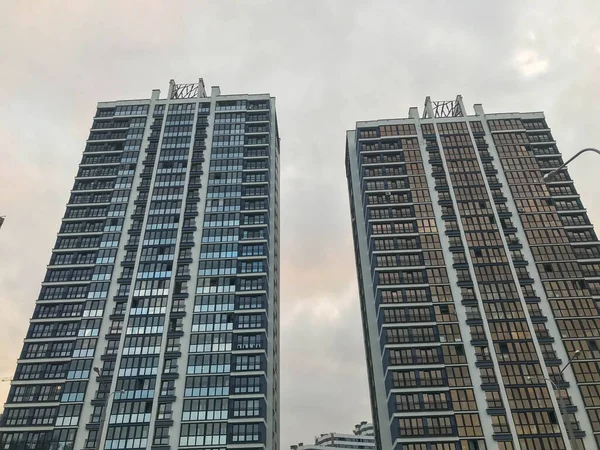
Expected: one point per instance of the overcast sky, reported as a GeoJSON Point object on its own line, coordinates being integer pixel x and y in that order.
{"type": "Point", "coordinates": [329, 64]}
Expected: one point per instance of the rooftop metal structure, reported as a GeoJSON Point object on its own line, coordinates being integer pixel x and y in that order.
{"type": "Point", "coordinates": [443, 108]}
{"type": "Point", "coordinates": [188, 90]}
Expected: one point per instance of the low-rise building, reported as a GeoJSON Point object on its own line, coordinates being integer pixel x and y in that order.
{"type": "Point", "coordinates": [361, 438]}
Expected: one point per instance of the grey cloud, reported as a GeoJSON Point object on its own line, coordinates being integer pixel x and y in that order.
{"type": "Point", "coordinates": [326, 385]}
{"type": "Point", "coordinates": [329, 63]}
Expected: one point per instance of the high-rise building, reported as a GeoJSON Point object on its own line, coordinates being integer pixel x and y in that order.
{"type": "Point", "coordinates": [360, 439]}
{"type": "Point", "coordinates": [479, 283]}
{"type": "Point", "coordinates": [157, 323]}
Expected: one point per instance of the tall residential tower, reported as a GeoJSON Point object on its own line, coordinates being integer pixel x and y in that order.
{"type": "Point", "coordinates": [157, 323]}
{"type": "Point", "coordinates": [478, 283]}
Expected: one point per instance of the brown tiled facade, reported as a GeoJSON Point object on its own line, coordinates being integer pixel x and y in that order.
{"type": "Point", "coordinates": [477, 283]}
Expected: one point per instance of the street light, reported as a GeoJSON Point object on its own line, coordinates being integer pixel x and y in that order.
{"type": "Point", "coordinates": [561, 402]}
{"type": "Point", "coordinates": [103, 416]}
{"type": "Point", "coordinates": [548, 177]}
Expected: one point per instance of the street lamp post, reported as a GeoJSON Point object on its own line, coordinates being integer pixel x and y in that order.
{"type": "Point", "coordinates": [103, 416]}
{"type": "Point", "coordinates": [548, 177]}
{"type": "Point", "coordinates": [562, 406]}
